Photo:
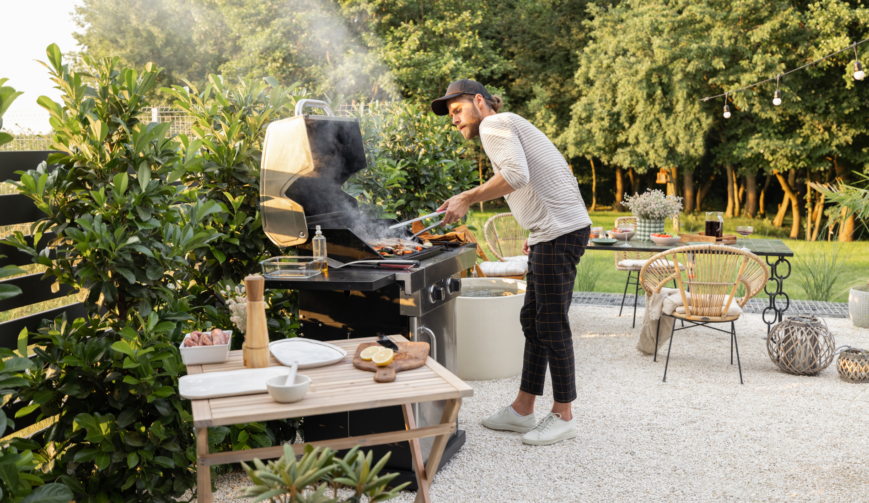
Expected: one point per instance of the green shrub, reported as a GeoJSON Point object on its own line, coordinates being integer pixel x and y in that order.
{"type": "Point", "coordinates": [307, 479]}
{"type": "Point", "coordinates": [416, 160]}
{"type": "Point", "coordinates": [819, 273]}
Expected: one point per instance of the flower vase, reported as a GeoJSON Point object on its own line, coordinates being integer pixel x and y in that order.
{"type": "Point", "coordinates": [645, 228]}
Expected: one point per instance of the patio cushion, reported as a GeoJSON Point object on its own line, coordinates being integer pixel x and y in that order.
{"type": "Point", "coordinates": [674, 303]}
{"type": "Point", "coordinates": [517, 258]}
{"type": "Point", "coordinates": [639, 263]}
{"type": "Point", "coordinates": [510, 268]}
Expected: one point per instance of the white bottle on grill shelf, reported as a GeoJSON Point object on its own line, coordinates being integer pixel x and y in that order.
{"type": "Point", "coordinates": [319, 243]}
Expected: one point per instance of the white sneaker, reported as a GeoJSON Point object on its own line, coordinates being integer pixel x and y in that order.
{"type": "Point", "coordinates": [506, 419]}
{"type": "Point", "coordinates": [550, 430]}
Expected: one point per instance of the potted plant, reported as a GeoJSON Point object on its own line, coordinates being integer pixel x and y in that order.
{"type": "Point", "coordinates": [652, 208]}
{"type": "Point", "coordinates": [851, 200]}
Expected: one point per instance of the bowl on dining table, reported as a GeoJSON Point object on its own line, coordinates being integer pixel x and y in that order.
{"type": "Point", "coordinates": [622, 234]}
{"type": "Point", "coordinates": [670, 241]}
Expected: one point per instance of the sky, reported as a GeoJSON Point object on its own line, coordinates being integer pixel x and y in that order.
{"type": "Point", "coordinates": [27, 28]}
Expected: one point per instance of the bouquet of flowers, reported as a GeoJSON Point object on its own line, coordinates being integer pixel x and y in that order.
{"type": "Point", "coordinates": [236, 301]}
{"type": "Point", "coordinates": [653, 205]}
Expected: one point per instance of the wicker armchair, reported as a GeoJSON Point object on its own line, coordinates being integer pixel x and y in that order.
{"type": "Point", "coordinates": [480, 268]}
{"type": "Point", "coordinates": [632, 269]}
{"type": "Point", "coordinates": [505, 237]}
{"type": "Point", "coordinates": [712, 275]}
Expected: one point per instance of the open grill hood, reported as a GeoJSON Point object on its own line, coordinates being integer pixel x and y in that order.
{"type": "Point", "coordinates": [306, 159]}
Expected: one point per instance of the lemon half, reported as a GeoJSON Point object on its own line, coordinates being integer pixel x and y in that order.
{"type": "Point", "coordinates": [383, 357]}
{"type": "Point", "coordinates": [368, 353]}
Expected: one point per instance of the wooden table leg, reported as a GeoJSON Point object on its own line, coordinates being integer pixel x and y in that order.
{"type": "Point", "coordinates": [203, 470]}
{"type": "Point", "coordinates": [422, 481]}
{"type": "Point", "coordinates": [451, 412]}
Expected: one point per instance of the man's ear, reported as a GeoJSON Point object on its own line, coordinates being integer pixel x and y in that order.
{"type": "Point", "coordinates": [478, 101]}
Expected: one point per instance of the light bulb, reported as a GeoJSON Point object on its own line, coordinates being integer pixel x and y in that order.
{"type": "Point", "coordinates": [858, 71]}
{"type": "Point", "coordinates": [726, 112]}
{"type": "Point", "coordinates": [777, 98]}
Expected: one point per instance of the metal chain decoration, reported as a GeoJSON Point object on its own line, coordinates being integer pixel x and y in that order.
{"type": "Point", "coordinates": [801, 345]}
{"type": "Point", "coordinates": [776, 278]}
{"type": "Point", "coordinates": [853, 365]}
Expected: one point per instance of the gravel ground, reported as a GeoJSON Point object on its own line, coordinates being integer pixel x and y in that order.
{"type": "Point", "coordinates": [699, 437]}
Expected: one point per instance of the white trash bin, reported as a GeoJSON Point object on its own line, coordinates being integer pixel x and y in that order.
{"type": "Point", "coordinates": [489, 339]}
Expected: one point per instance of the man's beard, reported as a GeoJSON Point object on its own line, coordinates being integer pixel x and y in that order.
{"type": "Point", "coordinates": [472, 127]}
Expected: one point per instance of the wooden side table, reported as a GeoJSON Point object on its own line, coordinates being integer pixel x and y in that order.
{"type": "Point", "coordinates": [335, 388]}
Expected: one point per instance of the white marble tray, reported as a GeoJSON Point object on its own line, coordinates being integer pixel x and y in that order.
{"type": "Point", "coordinates": [229, 383]}
{"type": "Point", "coordinates": [308, 353]}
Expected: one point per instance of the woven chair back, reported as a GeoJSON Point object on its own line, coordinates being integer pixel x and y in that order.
{"type": "Point", "coordinates": [709, 277]}
{"type": "Point", "coordinates": [504, 236]}
{"type": "Point", "coordinates": [628, 255]}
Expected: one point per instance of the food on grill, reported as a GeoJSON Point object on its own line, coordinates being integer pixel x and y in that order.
{"type": "Point", "coordinates": [383, 357]}
{"type": "Point", "coordinates": [216, 337]}
{"type": "Point", "coordinates": [368, 353]}
{"type": "Point", "coordinates": [395, 247]}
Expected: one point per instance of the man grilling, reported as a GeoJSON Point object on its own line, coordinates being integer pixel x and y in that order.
{"type": "Point", "coordinates": [532, 175]}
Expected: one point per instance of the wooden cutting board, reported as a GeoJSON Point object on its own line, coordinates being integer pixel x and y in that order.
{"type": "Point", "coordinates": [410, 355]}
{"type": "Point", "coordinates": [727, 239]}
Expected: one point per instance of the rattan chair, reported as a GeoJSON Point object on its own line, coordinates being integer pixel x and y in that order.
{"type": "Point", "coordinates": [712, 275]}
{"type": "Point", "coordinates": [505, 237]}
{"type": "Point", "coordinates": [632, 269]}
{"type": "Point", "coordinates": [482, 255]}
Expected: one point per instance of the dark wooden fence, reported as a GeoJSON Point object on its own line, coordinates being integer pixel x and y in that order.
{"type": "Point", "coordinates": [14, 210]}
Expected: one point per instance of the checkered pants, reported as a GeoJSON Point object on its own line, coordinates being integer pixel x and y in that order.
{"type": "Point", "coordinates": [551, 274]}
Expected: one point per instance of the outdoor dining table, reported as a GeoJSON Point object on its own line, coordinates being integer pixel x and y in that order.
{"type": "Point", "coordinates": [774, 251]}
{"type": "Point", "coordinates": [335, 388]}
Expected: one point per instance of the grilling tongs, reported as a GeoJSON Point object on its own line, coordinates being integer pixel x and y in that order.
{"type": "Point", "coordinates": [408, 222]}
{"type": "Point", "coordinates": [386, 263]}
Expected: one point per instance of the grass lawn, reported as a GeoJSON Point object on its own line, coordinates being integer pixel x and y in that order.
{"type": "Point", "coordinates": [851, 259]}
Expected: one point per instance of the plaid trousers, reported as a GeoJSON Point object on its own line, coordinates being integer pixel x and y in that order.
{"type": "Point", "coordinates": [551, 275]}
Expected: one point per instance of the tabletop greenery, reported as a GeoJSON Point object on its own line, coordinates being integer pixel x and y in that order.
{"type": "Point", "coordinates": [654, 205]}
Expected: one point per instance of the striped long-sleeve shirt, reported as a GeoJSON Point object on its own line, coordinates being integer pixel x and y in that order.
{"type": "Point", "coordinates": [547, 201]}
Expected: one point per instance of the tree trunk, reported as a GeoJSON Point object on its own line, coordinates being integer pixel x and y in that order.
{"type": "Point", "coordinates": [672, 187]}
{"type": "Point", "coordinates": [593, 186]}
{"type": "Point", "coordinates": [730, 192]}
{"type": "Point", "coordinates": [819, 212]}
{"type": "Point", "coordinates": [809, 207]}
{"type": "Point", "coordinates": [751, 195]}
{"type": "Point", "coordinates": [620, 190]}
{"type": "Point", "coordinates": [703, 191]}
{"type": "Point", "coordinates": [740, 193]}
{"type": "Point", "coordinates": [762, 202]}
{"type": "Point", "coordinates": [795, 204]}
{"type": "Point", "coordinates": [688, 191]}
{"type": "Point", "coordinates": [635, 181]}
{"type": "Point", "coordinates": [651, 179]}
{"type": "Point", "coordinates": [846, 228]}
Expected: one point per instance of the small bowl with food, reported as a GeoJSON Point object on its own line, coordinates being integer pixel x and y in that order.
{"type": "Point", "coordinates": [199, 348]}
{"type": "Point", "coordinates": [623, 234]}
{"type": "Point", "coordinates": [665, 239]}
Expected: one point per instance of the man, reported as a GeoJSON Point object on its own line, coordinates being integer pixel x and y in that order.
{"type": "Point", "coordinates": [544, 197]}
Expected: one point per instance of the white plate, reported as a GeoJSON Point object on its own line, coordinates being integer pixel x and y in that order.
{"type": "Point", "coordinates": [228, 383]}
{"type": "Point", "coordinates": [308, 353]}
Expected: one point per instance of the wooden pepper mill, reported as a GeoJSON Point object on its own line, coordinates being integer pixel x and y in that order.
{"type": "Point", "coordinates": [256, 337]}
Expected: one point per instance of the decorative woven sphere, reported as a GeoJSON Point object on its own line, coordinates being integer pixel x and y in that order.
{"type": "Point", "coordinates": [853, 365]}
{"type": "Point", "coordinates": [801, 345]}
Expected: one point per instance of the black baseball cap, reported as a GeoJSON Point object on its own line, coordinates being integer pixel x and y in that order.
{"type": "Point", "coordinates": [458, 88]}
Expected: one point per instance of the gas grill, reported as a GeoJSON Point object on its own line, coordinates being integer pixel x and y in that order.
{"type": "Point", "coordinates": [306, 160]}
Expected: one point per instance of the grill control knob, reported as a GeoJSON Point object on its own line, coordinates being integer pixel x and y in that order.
{"type": "Point", "coordinates": [437, 293]}
{"type": "Point", "coordinates": [454, 285]}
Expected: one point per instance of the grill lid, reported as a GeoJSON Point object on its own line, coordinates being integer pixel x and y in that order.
{"type": "Point", "coordinates": [306, 159]}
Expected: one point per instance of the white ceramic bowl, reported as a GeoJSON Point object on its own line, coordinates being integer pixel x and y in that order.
{"type": "Point", "coordinates": [288, 394]}
{"type": "Point", "coordinates": [622, 236]}
{"type": "Point", "coordinates": [665, 241]}
{"type": "Point", "coordinates": [200, 355]}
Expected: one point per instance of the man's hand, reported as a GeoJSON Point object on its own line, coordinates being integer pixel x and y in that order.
{"type": "Point", "coordinates": [455, 207]}
{"type": "Point", "coordinates": [525, 249]}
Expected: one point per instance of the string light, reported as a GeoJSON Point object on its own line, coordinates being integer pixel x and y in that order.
{"type": "Point", "coordinates": [859, 74]}
{"type": "Point", "coordinates": [776, 98]}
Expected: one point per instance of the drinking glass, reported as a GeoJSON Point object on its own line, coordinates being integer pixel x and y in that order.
{"type": "Point", "coordinates": [628, 228]}
{"type": "Point", "coordinates": [745, 230]}
{"type": "Point", "coordinates": [596, 232]}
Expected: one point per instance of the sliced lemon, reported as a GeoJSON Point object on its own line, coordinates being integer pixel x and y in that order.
{"type": "Point", "coordinates": [383, 357]}
{"type": "Point", "coordinates": [368, 353]}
